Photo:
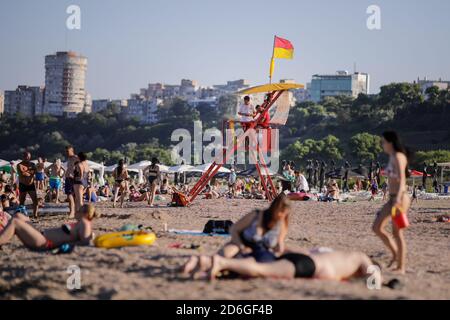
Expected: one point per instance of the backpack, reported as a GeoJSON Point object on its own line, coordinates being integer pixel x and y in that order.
{"type": "Point", "coordinates": [179, 200]}
{"type": "Point", "coordinates": [218, 226]}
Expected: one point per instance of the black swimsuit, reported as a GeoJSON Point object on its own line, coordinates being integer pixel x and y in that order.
{"type": "Point", "coordinates": [304, 265]}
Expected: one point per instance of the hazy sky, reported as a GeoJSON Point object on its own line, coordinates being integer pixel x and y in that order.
{"type": "Point", "coordinates": [131, 43]}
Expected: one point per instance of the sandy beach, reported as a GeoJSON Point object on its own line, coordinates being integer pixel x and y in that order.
{"type": "Point", "coordinates": [150, 272]}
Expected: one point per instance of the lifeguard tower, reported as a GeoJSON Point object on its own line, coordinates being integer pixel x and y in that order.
{"type": "Point", "coordinates": [276, 98]}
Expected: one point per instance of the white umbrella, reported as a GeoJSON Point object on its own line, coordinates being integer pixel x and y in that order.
{"type": "Point", "coordinates": [101, 178]}
{"type": "Point", "coordinates": [46, 164]}
{"type": "Point", "coordinates": [141, 177]}
{"type": "Point", "coordinates": [181, 168]}
{"type": "Point", "coordinates": [163, 168]}
{"type": "Point", "coordinates": [95, 166]}
{"type": "Point", "coordinates": [204, 167]}
{"type": "Point", "coordinates": [111, 168]}
{"type": "Point", "coordinates": [140, 165]}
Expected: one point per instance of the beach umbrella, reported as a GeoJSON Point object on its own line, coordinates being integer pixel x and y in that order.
{"type": "Point", "coordinates": [163, 168]}
{"type": "Point", "coordinates": [46, 163]}
{"type": "Point", "coordinates": [141, 165]}
{"type": "Point", "coordinates": [101, 178]}
{"type": "Point", "coordinates": [111, 168]}
{"type": "Point", "coordinates": [181, 168]}
{"type": "Point", "coordinates": [205, 167]}
{"type": "Point", "coordinates": [254, 173]}
{"type": "Point", "coordinates": [140, 177]}
{"type": "Point", "coordinates": [95, 166]}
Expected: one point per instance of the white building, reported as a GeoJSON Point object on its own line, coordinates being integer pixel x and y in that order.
{"type": "Point", "coordinates": [24, 100]}
{"type": "Point", "coordinates": [425, 84]}
{"type": "Point", "coordinates": [65, 93]}
{"type": "Point", "coordinates": [146, 111]}
{"type": "Point", "coordinates": [340, 84]}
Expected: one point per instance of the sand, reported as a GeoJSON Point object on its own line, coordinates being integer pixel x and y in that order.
{"type": "Point", "coordinates": [150, 272]}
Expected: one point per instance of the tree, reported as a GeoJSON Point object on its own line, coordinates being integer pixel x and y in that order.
{"type": "Point", "coordinates": [440, 156]}
{"type": "Point", "coordinates": [432, 94]}
{"type": "Point", "coordinates": [325, 149]}
{"type": "Point", "coordinates": [365, 146]}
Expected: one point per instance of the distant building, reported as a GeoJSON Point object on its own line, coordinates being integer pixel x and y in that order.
{"type": "Point", "coordinates": [2, 100]}
{"type": "Point", "coordinates": [102, 104]}
{"type": "Point", "coordinates": [65, 93]}
{"type": "Point", "coordinates": [24, 100]}
{"type": "Point", "coordinates": [425, 84]}
{"type": "Point", "coordinates": [303, 95]}
{"type": "Point", "coordinates": [143, 110]}
{"type": "Point", "coordinates": [189, 90]}
{"type": "Point", "coordinates": [341, 83]}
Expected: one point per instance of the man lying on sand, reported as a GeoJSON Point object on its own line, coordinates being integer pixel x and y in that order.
{"type": "Point", "coordinates": [79, 233]}
{"type": "Point", "coordinates": [335, 265]}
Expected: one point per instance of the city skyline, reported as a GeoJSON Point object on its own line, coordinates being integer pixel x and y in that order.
{"type": "Point", "coordinates": [214, 43]}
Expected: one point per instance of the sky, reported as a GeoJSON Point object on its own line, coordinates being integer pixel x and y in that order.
{"type": "Point", "coordinates": [132, 43]}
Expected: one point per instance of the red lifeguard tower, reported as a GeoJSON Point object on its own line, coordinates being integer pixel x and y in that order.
{"type": "Point", "coordinates": [273, 93]}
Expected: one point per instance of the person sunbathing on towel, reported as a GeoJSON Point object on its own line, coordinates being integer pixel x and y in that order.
{"type": "Point", "coordinates": [334, 265]}
{"type": "Point", "coordinates": [79, 233]}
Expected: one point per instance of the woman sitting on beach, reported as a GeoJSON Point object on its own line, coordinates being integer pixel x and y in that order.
{"type": "Point", "coordinates": [259, 235]}
{"type": "Point", "coordinates": [79, 233]}
{"type": "Point", "coordinates": [9, 199]}
{"type": "Point", "coordinates": [334, 265]}
{"type": "Point", "coordinates": [332, 191]}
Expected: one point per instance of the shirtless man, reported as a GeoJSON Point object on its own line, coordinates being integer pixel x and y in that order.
{"type": "Point", "coordinates": [27, 170]}
{"type": "Point", "coordinates": [332, 265]}
{"type": "Point", "coordinates": [72, 159]}
{"type": "Point", "coordinates": [56, 173]}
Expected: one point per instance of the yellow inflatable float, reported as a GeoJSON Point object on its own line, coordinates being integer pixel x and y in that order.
{"type": "Point", "coordinates": [125, 239]}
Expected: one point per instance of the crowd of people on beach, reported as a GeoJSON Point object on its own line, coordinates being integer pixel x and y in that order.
{"type": "Point", "coordinates": [257, 247]}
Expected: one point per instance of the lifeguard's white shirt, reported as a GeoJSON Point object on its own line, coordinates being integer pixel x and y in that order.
{"type": "Point", "coordinates": [246, 109]}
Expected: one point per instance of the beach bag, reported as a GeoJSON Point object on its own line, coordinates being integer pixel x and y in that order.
{"type": "Point", "coordinates": [179, 200]}
{"type": "Point", "coordinates": [399, 217]}
{"type": "Point", "coordinates": [218, 226]}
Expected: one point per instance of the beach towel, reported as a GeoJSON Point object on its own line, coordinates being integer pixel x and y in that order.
{"type": "Point", "coordinates": [197, 233]}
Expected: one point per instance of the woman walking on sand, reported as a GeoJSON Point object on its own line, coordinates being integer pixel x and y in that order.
{"type": "Point", "coordinates": [81, 180]}
{"type": "Point", "coordinates": [398, 197]}
{"type": "Point", "coordinates": [120, 175]}
{"type": "Point", "coordinates": [153, 178]}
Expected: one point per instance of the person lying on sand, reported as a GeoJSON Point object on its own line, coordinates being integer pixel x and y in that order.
{"type": "Point", "coordinates": [79, 233]}
{"type": "Point", "coordinates": [334, 265]}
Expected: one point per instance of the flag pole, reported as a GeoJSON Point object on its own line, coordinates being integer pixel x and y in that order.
{"type": "Point", "coordinates": [272, 61]}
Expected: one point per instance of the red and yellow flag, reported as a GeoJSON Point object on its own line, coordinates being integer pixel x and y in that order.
{"type": "Point", "coordinates": [282, 49]}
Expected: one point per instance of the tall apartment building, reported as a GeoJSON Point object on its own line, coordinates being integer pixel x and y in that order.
{"type": "Point", "coordinates": [24, 100]}
{"type": "Point", "coordinates": [65, 93]}
{"type": "Point", "coordinates": [341, 83]}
